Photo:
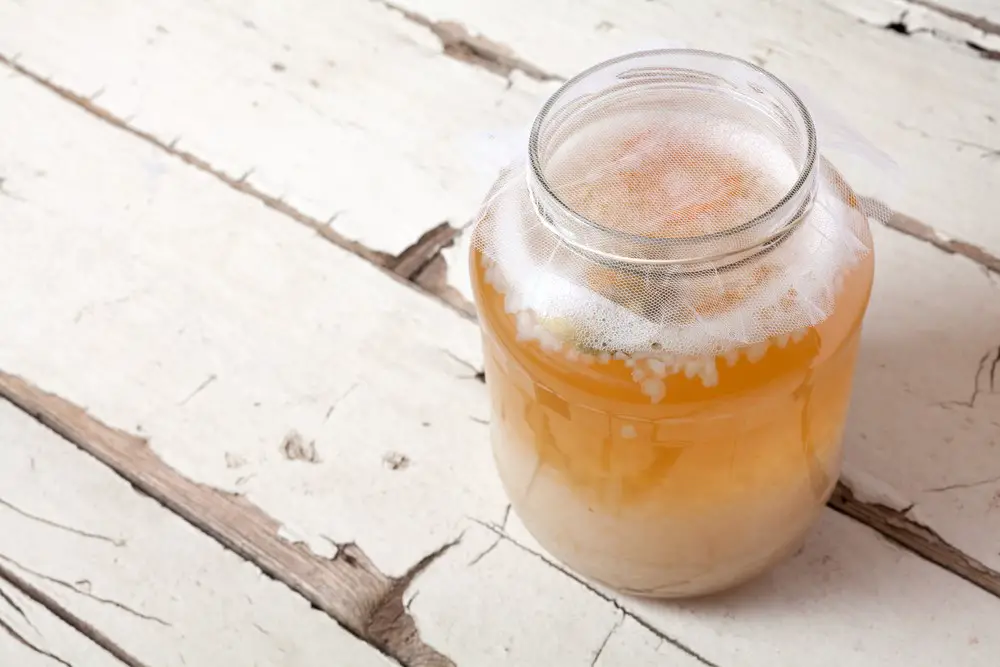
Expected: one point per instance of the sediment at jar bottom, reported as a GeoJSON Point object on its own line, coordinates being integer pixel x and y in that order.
{"type": "Point", "coordinates": [666, 554]}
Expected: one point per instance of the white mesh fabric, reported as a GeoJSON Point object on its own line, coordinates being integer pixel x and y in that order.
{"type": "Point", "coordinates": [682, 216]}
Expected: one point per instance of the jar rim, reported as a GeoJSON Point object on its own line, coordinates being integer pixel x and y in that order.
{"type": "Point", "coordinates": [805, 175]}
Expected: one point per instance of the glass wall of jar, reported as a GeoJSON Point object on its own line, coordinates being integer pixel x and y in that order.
{"type": "Point", "coordinates": [671, 288]}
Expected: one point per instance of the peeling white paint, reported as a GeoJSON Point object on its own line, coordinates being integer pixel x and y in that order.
{"type": "Point", "coordinates": [160, 589]}
{"type": "Point", "coordinates": [873, 491]}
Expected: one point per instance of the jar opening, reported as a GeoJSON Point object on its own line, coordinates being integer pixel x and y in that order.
{"type": "Point", "coordinates": [672, 156]}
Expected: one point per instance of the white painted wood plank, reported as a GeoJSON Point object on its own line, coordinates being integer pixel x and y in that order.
{"type": "Point", "coordinates": [42, 640]}
{"type": "Point", "coordinates": [161, 590]}
{"type": "Point", "coordinates": [931, 104]}
{"type": "Point", "coordinates": [925, 416]}
{"type": "Point", "coordinates": [343, 109]}
{"type": "Point", "coordinates": [331, 141]}
{"type": "Point", "coordinates": [172, 306]}
{"type": "Point", "coordinates": [221, 322]}
{"type": "Point", "coordinates": [488, 602]}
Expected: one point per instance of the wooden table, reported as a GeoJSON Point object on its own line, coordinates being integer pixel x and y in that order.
{"type": "Point", "coordinates": [243, 423]}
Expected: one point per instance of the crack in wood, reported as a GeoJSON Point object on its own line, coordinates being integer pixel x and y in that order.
{"type": "Point", "coordinates": [982, 381]}
{"type": "Point", "coordinates": [10, 601]}
{"type": "Point", "coordinates": [485, 552]}
{"type": "Point", "coordinates": [497, 530]}
{"type": "Point", "coordinates": [458, 43]}
{"type": "Point", "coordinates": [70, 619]}
{"type": "Point", "coordinates": [19, 638]}
{"type": "Point", "coordinates": [607, 638]}
{"type": "Point", "coordinates": [349, 587]}
{"type": "Point", "coordinates": [963, 485]}
{"type": "Point", "coordinates": [85, 593]}
{"type": "Point", "coordinates": [918, 538]}
{"type": "Point", "coordinates": [60, 526]}
{"type": "Point", "coordinates": [337, 401]}
{"type": "Point", "coordinates": [201, 387]}
{"type": "Point", "coordinates": [477, 374]}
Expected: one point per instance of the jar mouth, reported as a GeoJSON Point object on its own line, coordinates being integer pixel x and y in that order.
{"type": "Point", "coordinates": [652, 82]}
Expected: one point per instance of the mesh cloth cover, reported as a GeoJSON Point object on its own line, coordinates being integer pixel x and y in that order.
{"type": "Point", "coordinates": [679, 215]}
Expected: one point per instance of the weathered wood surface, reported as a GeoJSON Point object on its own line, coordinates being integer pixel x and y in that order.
{"type": "Point", "coordinates": [283, 100]}
{"type": "Point", "coordinates": [322, 419]}
{"type": "Point", "coordinates": [258, 359]}
{"type": "Point", "coordinates": [344, 111]}
{"type": "Point", "coordinates": [929, 100]}
{"type": "Point", "coordinates": [32, 636]}
{"type": "Point", "coordinates": [154, 587]}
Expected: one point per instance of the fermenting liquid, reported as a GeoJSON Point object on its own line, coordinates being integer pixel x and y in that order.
{"type": "Point", "coordinates": [695, 492]}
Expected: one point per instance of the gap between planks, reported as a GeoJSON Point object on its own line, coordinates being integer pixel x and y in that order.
{"type": "Point", "coordinates": [67, 617]}
{"type": "Point", "coordinates": [348, 587]}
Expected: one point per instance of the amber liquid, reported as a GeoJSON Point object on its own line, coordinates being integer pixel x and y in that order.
{"type": "Point", "coordinates": [695, 492]}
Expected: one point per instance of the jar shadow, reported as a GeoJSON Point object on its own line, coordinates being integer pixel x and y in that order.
{"type": "Point", "coordinates": [845, 576]}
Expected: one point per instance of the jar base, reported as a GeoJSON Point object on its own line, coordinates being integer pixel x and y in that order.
{"type": "Point", "coordinates": [707, 584]}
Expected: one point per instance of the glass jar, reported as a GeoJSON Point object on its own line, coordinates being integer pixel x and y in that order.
{"type": "Point", "coordinates": [671, 287]}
